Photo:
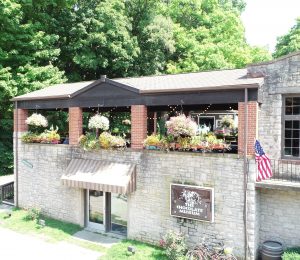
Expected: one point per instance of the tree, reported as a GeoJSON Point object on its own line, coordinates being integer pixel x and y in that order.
{"type": "Point", "coordinates": [96, 39]}
{"type": "Point", "coordinates": [288, 43]}
{"type": "Point", "coordinates": [209, 36]}
{"type": "Point", "coordinates": [26, 56]}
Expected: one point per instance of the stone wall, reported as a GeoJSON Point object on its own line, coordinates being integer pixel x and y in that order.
{"type": "Point", "coordinates": [40, 170]}
{"type": "Point", "coordinates": [282, 77]}
{"type": "Point", "coordinates": [148, 207]}
{"type": "Point", "coordinates": [279, 216]}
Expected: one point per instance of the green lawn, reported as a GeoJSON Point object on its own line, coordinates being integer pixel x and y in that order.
{"type": "Point", "coordinates": [55, 231]}
{"type": "Point", "coordinates": [143, 251]}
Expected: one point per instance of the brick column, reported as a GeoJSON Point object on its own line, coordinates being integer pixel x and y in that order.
{"type": "Point", "coordinates": [138, 126]}
{"type": "Point", "coordinates": [75, 124]}
{"type": "Point", "coordinates": [20, 115]}
{"type": "Point", "coordinates": [252, 126]}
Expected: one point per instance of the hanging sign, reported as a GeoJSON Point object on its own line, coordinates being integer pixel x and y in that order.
{"type": "Point", "coordinates": [192, 202]}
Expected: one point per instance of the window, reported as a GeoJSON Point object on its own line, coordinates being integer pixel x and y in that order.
{"type": "Point", "coordinates": [291, 135]}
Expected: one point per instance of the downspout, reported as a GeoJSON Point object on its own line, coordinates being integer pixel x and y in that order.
{"type": "Point", "coordinates": [245, 172]}
{"type": "Point", "coordinates": [16, 135]}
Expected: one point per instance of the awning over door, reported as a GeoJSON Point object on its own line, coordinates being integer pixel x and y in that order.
{"type": "Point", "coordinates": [100, 175]}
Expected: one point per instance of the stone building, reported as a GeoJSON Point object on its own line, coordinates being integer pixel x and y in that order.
{"type": "Point", "coordinates": [128, 191]}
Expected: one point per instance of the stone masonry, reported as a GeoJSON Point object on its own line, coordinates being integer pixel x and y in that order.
{"type": "Point", "coordinates": [277, 210]}
{"type": "Point", "coordinates": [148, 207]}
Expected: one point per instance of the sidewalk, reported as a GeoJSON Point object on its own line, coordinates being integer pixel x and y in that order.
{"type": "Point", "coordinates": [16, 246]}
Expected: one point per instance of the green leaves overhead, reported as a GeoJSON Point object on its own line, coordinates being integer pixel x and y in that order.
{"type": "Point", "coordinates": [44, 42]}
{"type": "Point", "coordinates": [290, 42]}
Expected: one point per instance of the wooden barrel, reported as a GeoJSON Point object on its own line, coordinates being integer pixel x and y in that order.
{"type": "Point", "coordinates": [271, 250]}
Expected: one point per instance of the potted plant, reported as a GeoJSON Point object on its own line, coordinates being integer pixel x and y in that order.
{"type": "Point", "coordinates": [50, 136]}
{"type": "Point", "coordinates": [99, 123]}
{"type": "Point", "coordinates": [36, 123]}
{"type": "Point", "coordinates": [181, 126]}
{"type": "Point", "coordinates": [152, 142]}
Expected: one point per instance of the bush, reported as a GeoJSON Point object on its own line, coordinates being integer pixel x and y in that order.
{"type": "Point", "coordinates": [175, 245]}
{"type": "Point", "coordinates": [33, 214]}
{"type": "Point", "coordinates": [291, 254]}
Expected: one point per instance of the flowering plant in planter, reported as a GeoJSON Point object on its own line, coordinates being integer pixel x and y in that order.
{"type": "Point", "coordinates": [107, 141]}
{"type": "Point", "coordinates": [98, 122]}
{"type": "Point", "coordinates": [50, 136]}
{"type": "Point", "coordinates": [152, 142]}
{"type": "Point", "coordinates": [30, 138]}
{"type": "Point", "coordinates": [36, 122]}
{"type": "Point", "coordinates": [89, 142]}
{"type": "Point", "coordinates": [181, 126]}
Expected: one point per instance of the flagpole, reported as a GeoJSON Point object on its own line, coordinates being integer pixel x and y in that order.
{"type": "Point", "coordinates": [245, 172]}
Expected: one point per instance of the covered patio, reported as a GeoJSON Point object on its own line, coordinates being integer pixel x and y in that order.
{"type": "Point", "coordinates": [151, 101]}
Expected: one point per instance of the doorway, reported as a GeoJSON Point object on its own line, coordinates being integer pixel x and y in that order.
{"type": "Point", "coordinates": [106, 212]}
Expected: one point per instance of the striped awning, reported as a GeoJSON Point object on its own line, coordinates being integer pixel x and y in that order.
{"type": "Point", "coordinates": [100, 175]}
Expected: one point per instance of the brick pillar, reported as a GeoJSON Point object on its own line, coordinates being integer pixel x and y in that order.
{"type": "Point", "coordinates": [252, 127]}
{"type": "Point", "coordinates": [20, 115]}
{"type": "Point", "coordinates": [138, 126]}
{"type": "Point", "coordinates": [75, 124]}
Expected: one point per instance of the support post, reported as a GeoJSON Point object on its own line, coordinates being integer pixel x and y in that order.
{"type": "Point", "coordinates": [75, 124]}
{"type": "Point", "coordinates": [138, 126]}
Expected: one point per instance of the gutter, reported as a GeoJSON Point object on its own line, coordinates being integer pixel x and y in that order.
{"type": "Point", "coordinates": [245, 210]}
{"type": "Point", "coordinates": [16, 133]}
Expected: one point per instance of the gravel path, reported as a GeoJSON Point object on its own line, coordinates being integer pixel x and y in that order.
{"type": "Point", "coordinates": [16, 246]}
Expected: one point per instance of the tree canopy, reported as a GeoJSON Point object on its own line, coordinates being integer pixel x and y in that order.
{"type": "Point", "coordinates": [44, 42]}
{"type": "Point", "coordinates": [290, 42]}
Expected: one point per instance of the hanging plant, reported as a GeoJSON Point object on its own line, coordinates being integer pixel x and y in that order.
{"type": "Point", "coordinates": [181, 126]}
{"type": "Point", "coordinates": [98, 122]}
{"type": "Point", "coordinates": [36, 122]}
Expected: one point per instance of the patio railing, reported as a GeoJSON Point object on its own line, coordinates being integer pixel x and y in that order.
{"type": "Point", "coordinates": [7, 193]}
{"type": "Point", "coordinates": [286, 170]}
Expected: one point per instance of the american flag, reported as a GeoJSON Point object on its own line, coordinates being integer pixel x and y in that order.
{"type": "Point", "coordinates": [263, 163]}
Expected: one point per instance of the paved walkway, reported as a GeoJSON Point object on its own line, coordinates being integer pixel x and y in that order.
{"type": "Point", "coordinates": [17, 246]}
{"type": "Point", "coordinates": [102, 240]}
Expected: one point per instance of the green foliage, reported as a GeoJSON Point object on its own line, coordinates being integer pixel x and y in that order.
{"type": "Point", "coordinates": [290, 42]}
{"type": "Point", "coordinates": [143, 251]}
{"type": "Point", "coordinates": [175, 245]}
{"type": "Point", "coordinates": [49, 41]}
{"type": "Point", "coordinates": [291, 254]}
{"type": "Point", "coordinates": [33, 214]}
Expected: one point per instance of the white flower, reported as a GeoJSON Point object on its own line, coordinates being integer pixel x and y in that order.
{"type": "Point", "coordinates": [181, 125]}
{"type": "Point", "coordinates": [37, 120]}
{"type": "Point", "coordinates": [99, 122]}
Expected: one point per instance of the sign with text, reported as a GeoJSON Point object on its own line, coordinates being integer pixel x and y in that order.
{"type": "Point", "coordinates": [192, 202]}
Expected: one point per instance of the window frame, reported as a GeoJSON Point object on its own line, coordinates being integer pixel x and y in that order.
{"type": "Point", "coordinates": [285, 117]}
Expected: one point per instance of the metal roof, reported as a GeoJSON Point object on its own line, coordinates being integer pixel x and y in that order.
{"type": "Point", "coordinates": [186, 82]}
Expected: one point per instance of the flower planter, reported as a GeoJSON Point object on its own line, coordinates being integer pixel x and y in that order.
{"type": "Point", "coordinates": [152, 147]}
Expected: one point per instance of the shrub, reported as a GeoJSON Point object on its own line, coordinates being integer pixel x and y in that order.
{"type": "Point", "coordinates": [33, 214]}
{"type": "Point", "coordinates": [291, 254]}
{"type": "Point", "coordinates": [175, 245]}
